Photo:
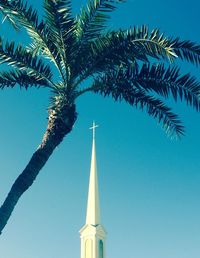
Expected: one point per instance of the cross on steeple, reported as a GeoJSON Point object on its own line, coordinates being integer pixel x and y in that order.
{"type": "Point", "coordinates": [93, 128]}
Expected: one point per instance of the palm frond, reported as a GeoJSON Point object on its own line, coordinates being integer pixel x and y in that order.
{"type": "Point", "coordinates": [8, 17]}
{"type": "Point", "coordinates": [140, 99]}
{"type": "Point", "coordinates": [61, 28]}
{"type": "Point", "coordinates": [22, 15]}
{"type": "Point", "coordinates": [19, 13]}
{"type": "Point", "coordinates": [137, 42]}
{"type": "Point", "coordinates": [154, 43]}
{"type": "Point", "coordinates": [163, 81]}
{"type": "Point", "coordinates": [22, 78]}
{"type": "Point", "coordinates": [187, 50]}
{"type": "Point", "coordinates": [18, 56]}
{"type": "Point", "coordinates": [123, 47]}
{"type": "Point", "coordinates": [93, 17]}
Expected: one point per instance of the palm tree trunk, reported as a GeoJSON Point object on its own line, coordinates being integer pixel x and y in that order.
{"type": "Point", "coordinates": [60, 123]}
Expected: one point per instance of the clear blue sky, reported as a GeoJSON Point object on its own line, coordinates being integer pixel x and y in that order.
{"type": "Point", "coordinates": [149, 184]}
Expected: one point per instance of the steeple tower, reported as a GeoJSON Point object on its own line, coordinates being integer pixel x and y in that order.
{"type": "Point", "coordinates": [93, 234]}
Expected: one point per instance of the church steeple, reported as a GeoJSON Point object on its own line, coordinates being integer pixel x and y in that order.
{"type": "Point", "coordinates": [93, 209]}
{"type": "Point", "coordinates": [93, 233]}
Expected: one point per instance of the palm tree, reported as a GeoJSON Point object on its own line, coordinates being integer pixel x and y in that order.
{"type": "Point", "coordinates": [134, 65]}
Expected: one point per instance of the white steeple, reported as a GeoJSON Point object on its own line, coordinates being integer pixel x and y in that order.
{"type": "Point", "coordinates": [93, 209]}
{"type": "Point", "coordinates": [93, 233]}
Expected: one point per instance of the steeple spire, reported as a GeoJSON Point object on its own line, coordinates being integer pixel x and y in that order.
{"type": "Point", "coordinates": [93, 234]}
{"type": "Point", "coordinates": [93, 209]}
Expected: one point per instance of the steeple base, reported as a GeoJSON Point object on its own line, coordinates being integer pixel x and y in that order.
{"type": "Point", "coordinates": [92, 241]}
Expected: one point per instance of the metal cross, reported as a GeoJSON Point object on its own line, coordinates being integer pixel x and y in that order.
{"type": "Point", "coordinates": [93, 127]}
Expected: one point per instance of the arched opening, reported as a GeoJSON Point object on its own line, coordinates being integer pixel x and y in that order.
{"type": "Point", "coordinates": [101, 249]}
{"type": "Point", "coordinates": [88, 248]}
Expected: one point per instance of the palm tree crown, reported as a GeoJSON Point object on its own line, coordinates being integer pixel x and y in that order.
{"type": "Point", "coordinates": [135, 65]}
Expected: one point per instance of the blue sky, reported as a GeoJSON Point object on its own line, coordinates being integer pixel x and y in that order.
{"type": "Point", "coordinates": [149, 184]}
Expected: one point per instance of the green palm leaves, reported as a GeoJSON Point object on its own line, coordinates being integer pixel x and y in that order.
{"type": "Point", "coordinates": [187, 50]}
{"type": "Point", "coordinates": [61, 31]}
{"type": "Point", "coordinates": [23, 59]}
{"type": "Point", "coordinates": [92, 20]}
{"type": "Point", "coordinates": [135, 86]}
{"type": "Point", "coordinates": [22, 78]}
{"type": "Point", "coordinates": [129, 65]}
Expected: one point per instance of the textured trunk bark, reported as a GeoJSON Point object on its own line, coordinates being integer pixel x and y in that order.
{"type": "Point", "coordinates": [60, 123]}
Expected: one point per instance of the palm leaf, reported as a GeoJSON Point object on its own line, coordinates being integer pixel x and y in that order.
{"type": "Point", "coordinates": [114, 48]}
{"type": "Point", "coordinates": [8, 17]}
{"type": "Point", "coordinates": [89, 26]}
{"type": "Point", "coordinates": [164, 81]}
{"type": "Point", "coordinates": [61, 28]}
{"type": "Point", "coordinates": [187, 50]}
{"type": "Point", "coordinates": [92, 19]}
{"type": "Point", "coordinates": [22, 15]}
{"type": "Point", "coordinates": [22, 78]}
{"type": "Point", "coordinates": [18, 56]}
{"type": "Point", "coordinates": [140, 99]}
{"type": "Point", "coordinates": [154, 43]}
{"type": "Point", "coordinates": [19, 13]}
{"type": "Point", "coordinates": [133, 84]}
